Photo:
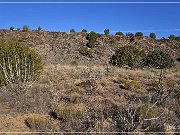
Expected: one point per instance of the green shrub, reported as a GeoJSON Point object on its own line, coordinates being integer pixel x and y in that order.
{"type": "Point", "coordinates": [65, 111]}
{"type": "Point", "coordinates": [84, 30]}
{"type": "Point", "coordinates": [18, 63]}
{"type": "Point", "coordinates": [139, 34]}
{"type": "Point", "coordinates": [85, 51]}
{"type": "Point", "coordinates": [128, 56]}
{"type": "Point", "coordinates": [25, 28]}
{"type": "Point", "coordinates": [39, 28]}
{"type": "Point", "coordinates": [11, 28]}
{"type": "Point", "coordinates": [152, 35]}
{"type": "Point", "coordinates": [106, 31]}
{"type": "Point", "coordinates": [119, 33]}
{"type": "Point", "coordinates": [159, 60]}
{"type": "Point", "coordinates": [18, 29]}
{"type": "Point", "coordinates": [72, 31]}
{"type": "Point", "coordinates": [92, 36]}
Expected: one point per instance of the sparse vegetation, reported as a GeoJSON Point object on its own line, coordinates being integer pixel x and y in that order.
{"type": "Point", "coordinates": [76, 93]}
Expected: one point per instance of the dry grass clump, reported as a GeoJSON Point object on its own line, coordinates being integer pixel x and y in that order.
{"type": "Point", "coordinates": [170, 83]}
{"type": "Point", "coordinates": [65, 111]}
{"type": "Point", "coordinates": [129, 84]}
{"type": "Point", "coordinates": [147, 112]}
{"type": "Point", "coordinates": [77, 89]}
{"type": "Point", "coordinates": [38, 122]}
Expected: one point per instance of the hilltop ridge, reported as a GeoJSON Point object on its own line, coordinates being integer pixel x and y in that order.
{"type": "Point", "coordinates": [62, 48]}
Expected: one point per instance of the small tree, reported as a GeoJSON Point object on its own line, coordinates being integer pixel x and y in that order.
{"type": "Point", "coordinates": [72, 31]}
{"type": "Point", "coordinates": [84, 30]}
{"type": "Point", "coordinates": [159, 59]}
{"type": "Point", "coordinates": [11, 28]}
{"type": "Point", "coordinates": [139, 34]}
{"type": "Point", "coordinates": [106, 31]}
{"type": "Point", "coordinates": [39, 28]}
{"type": "Point", "coordinates": [119, 33]}
{"type": "Point", "coordinates": [92, 36]}
{"type": "Point", "coordinates": [18, 29]}
{"type": "Point", "coordinates": [25, 28]}
{"type": "Point", "coordinates": [152, 35]}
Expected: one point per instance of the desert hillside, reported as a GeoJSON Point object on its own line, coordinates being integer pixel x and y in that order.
{"type": "Point", "coordinates": [63, 48]}
{"type": "Point", "coordinates": [78, 93]}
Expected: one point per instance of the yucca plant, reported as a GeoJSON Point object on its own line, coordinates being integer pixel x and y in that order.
{"type": "Point", "coordinates": [19, 65]}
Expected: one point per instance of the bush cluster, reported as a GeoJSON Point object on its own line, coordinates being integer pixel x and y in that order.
{"type": "Point", "coordinates": [133, 57]}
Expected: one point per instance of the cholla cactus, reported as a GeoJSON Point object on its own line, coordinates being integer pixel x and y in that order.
{"type": "Point", "coordinates": [19, 65]}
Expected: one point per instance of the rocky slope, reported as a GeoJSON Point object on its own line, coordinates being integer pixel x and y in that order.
{"type": "Point", "coordinates": [63, 48]}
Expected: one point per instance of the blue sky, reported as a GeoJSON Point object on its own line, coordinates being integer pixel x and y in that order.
{"type": "Point", "coordinates": [163, 19]}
